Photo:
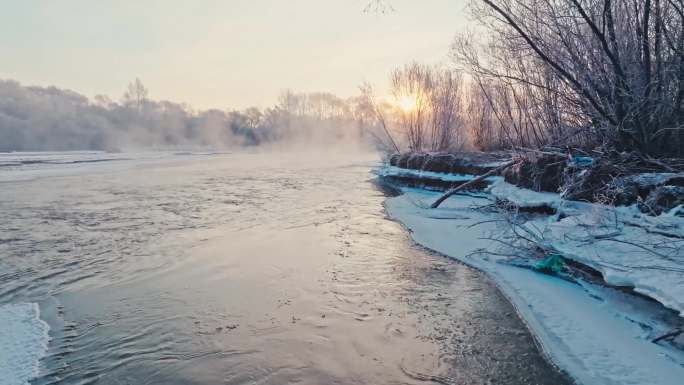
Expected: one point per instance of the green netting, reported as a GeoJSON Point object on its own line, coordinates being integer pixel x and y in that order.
{"type": "Point", "coordinates": [552, 264]}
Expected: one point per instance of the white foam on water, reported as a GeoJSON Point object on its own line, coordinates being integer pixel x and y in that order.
{"type": "Point", "coordinates": [23, 342]}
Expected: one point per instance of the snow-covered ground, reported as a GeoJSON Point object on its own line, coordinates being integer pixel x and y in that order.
{"type": "Point", "coordinates": [628, 247]}
{"type": "Point", "coordinates": [521, 197]}
{"type": "Point", "coordinates": [23, 342]}
{"type": "Point", "coordinates": [428, 175]}
{"type": "Point", "coordinates": [597, 334]}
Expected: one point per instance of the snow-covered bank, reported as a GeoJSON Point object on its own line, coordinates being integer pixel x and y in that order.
{"type": "Point", "coordinates": [626, 246]}
{"type": "Point", "coordinates": [23, 342]}
{"type": "Point", "coordinates": [593, 334]}
{"type": "Point", "coordinates": [523, 198]}
{"type": "Point", "coordinates": [392, 171]}
{"type": "Point", "coordinates": [425, 179]}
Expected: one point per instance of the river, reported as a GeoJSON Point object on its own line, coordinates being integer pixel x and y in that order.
{"type": "Point", "coordinates": [243, 268]}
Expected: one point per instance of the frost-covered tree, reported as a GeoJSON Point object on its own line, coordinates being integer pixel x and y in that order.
{"type": "Point", "coordinates": [429, 103]}
{"type": "Point", "coordinates": [135, 95]}
{"type": "Point", "coordinates": [612, 70]}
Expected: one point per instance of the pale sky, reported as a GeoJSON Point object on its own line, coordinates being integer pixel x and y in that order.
{"type": "Point", "coordinates": [219, 54]}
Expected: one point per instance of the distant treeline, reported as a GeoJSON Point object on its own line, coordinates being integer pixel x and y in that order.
{"type": "Point", "coordinates": [50, 118]}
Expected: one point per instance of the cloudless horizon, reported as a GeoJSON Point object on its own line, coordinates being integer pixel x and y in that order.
{"type": "Point", "coordinates": [220, 54]}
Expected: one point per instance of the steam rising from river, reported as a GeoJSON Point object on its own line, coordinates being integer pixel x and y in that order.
{"type": "Point", "coordinates": [54, 119]}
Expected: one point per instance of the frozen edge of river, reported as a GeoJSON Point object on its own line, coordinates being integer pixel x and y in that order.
{"type": "Point", "coordinates": [584, 335]}
{"type": "Point", "coordinates": [607, 239]}
{"type": "Point", "coordinates": [23, 342]}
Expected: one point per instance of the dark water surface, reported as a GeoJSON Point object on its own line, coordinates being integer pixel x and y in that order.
{"type": "Point", "coordinates": [248, 269]}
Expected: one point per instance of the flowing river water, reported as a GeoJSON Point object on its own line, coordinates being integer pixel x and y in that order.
{"type": "Point", "coordinates": [245, 269]}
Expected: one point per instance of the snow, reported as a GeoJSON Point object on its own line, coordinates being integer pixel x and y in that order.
{"type": "Point", "coordinates": [612, 241]}
{"type": "Point", "coordinates": [653, 179]}
{"type": "Point", "coordinates": [595, 337]}
{"type": "Point", "coordinates": [495, 164]}
{"type": "Point", "coordinates": [523, 197]}
{"type": "Point", "coordinates": [23, 342]}
{"type": "Point", "coordinates": [393, 171]}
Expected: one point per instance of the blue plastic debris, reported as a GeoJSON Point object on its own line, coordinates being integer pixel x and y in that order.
{"type": "Point", "coordinates": [582, 161]}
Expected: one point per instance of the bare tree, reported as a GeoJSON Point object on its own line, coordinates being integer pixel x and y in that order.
{"type": "Point", "coordinates": [135, 95]}
{"type": "Point", "coordinates": [446, 111]}
{"type": "Point", "coordinates": [412, 87]}
{"type": "Point", "coordinates": [612, 70]}
{"type": "Point", "coordinates": [368, 102]}
{"type": "Point", "coordinates": [430, 105]}
{"type": "Point", "coordinates": [378, 6]}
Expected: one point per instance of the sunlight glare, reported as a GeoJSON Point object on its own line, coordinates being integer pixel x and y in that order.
{"type": "Point", "coordinates": [407, 103]}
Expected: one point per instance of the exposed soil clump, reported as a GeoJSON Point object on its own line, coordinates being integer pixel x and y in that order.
{"type": "Point", "coordinates": [469, 163]}
{"type": "Point", "coordinates": [656, 186]}
{"type": "Point", "coordinates": [538, 172]}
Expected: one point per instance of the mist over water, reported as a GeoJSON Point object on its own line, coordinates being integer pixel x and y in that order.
{"type": "Point", "coordinates": [247, 237]}
{"type": "Point", "coordinates": [54, 119]}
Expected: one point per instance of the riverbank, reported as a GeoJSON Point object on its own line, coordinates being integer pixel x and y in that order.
{"type": "Point", "coordinates": [586, 315]}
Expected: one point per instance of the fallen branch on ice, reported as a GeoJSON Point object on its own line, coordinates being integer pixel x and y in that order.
{"type": "Point", "coordinates": [480, 178]}
{"type": "Point", "coordinates": [668, 335]}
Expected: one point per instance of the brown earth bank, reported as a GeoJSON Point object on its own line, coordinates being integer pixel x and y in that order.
{"type": "Point", "coordinates": [614, 178]}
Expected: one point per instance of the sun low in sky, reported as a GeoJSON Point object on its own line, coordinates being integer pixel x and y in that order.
{"type": "Point", "coordinates": [219, 54]}
{"type": "Point", "coordinates": [407, 103]}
